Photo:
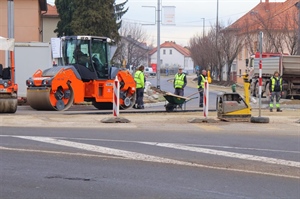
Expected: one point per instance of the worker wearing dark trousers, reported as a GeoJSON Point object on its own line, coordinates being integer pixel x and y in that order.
{"type": "Point", "coordinates": [179, 83]}
{"type": "Point", "coordinates": [140, 86]}
{"type": "Point", "coordinates": [275, 87]}
{"type": "Point", "coordinates": [201, 83]}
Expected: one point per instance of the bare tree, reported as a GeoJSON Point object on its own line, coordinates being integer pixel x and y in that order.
{"type": "Point", "coordinates": [279, 28]}
{"type": "Point", "coordinates": [132, 46]}
{"type": "Point", "coordinates": [289, 23]}
{"type": "Point", "coordinates": [212, 54]}
{"type": "Point", "coordinates": [230, 44]}
{"type": "Point", "coordinates": [203, 51]}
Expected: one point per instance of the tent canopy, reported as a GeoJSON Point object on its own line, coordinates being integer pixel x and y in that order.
{"type": "Point", "coordinates": [6, 44]}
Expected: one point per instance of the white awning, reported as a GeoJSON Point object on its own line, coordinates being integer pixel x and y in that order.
{"type": "Point", "coordinates": [6, 44]}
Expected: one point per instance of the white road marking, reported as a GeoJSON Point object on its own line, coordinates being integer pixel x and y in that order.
{"type": "Point", "coordinates": [60, 153]}
{"type": "Point", "coordinates": [195, 145]}
{"type": "Point", "coordinates": [106, 150]}
{"type": "Point", "coordinates": [227, 154]}
{"type": "Point", "coordinates": [143, 157]}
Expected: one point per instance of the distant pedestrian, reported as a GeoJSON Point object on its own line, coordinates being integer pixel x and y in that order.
{"type": "Point", "coordinates": [201, 81]}
{"type": "Point", "coordinates": [179, 82]}
{"type": "Point", "coordinates": [139, 78]}
{"type": "Point", "coordinates": [275, 87]}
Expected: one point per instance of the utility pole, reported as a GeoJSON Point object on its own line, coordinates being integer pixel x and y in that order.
{"type": "Point", "coordinates": [203, 19]}
{"type": "Point", "coordinates": [158, 46]}
{"type": "Point", "coordinates": [10, 24]}
{"type": "Point", "coordinates": [298, 6]}
{"type": "Point", "coordinates": [217, 32]}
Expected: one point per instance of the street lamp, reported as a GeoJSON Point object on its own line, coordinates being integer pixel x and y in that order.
{"type": "Point", "coordinates": [203, 19]}
{"type": "Point", "coordinates": [158, 46]}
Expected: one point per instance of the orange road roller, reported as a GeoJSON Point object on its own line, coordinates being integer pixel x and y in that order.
{"type": "Point", "coordinates": [85, 76]}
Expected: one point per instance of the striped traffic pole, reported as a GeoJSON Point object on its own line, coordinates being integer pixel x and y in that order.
{"type": "Point", "coordinates": [260, 70]}
{"type": "Point", "coordinates": [205, 98]}
{"type": "Point", "coordinates": [260, 85]}
{"type": "Point", "coordinates": [116, 97]}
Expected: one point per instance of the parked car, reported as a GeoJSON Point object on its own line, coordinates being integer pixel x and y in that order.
{"type": "Point", "coordinates": [149, 72]}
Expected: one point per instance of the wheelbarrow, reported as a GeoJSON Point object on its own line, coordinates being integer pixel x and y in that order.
{"type": "Point", "coordinates": [176, 101]}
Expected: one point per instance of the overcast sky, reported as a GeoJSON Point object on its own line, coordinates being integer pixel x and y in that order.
{"type": "Point", "coordinates": [188, 16]}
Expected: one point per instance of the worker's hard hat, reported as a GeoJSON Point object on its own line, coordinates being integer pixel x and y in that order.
{"type": "Point", "coordinates": [180, 68]}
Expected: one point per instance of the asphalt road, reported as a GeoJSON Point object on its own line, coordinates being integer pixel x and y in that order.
{"type": "Point", "coordinates": [166, 161]}
{"type": "Point", "coordinates": [72, 155]}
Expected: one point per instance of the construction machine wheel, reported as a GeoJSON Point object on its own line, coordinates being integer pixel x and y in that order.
{"type": "Point", "coordinates": [170, 107]}
{"type": "Point", "coordinates": [43, 98]}
{"type": "Point", "coordinates": [8, 105]}
{"type": "Point", "coordinates": [128, 101]}
{"type": "Point", "coordinates": [284, 94]}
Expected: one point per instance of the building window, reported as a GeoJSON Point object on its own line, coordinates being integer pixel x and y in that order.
{"type": "Point", "coordinates": [240, 72]}
{"type": "Point", "coordinates": [170, 52]}
{"type": "Point", "coordinates": [164, 52]}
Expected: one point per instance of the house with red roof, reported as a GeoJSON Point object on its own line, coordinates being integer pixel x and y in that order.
{"type": "Point", "coordinates": [277, 21]}
{"type": "Point", "coordinates": [172, 55]}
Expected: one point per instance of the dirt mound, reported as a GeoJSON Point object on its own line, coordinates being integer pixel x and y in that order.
{"type": "Point", "coordinates": [157, 90]}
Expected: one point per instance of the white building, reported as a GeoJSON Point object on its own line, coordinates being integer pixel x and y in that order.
{"type": "Point", "coordinates": [172, 56]}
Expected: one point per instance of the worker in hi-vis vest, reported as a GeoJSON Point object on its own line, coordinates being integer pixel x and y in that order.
{"type": "Point", "coordinates": [179, 82]}
{"type": "Point", "coordinates": [201, 81]}
{"type": "Point", "coordinates": [139, 78]}
{"type": "Point", "coordinates": [275, 87]}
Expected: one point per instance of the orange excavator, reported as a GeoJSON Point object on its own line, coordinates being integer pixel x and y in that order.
{"type": "Point", "coordinates": [85, 75]}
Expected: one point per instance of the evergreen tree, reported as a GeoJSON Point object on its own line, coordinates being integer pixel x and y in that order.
{"type": "Point", "coordinates": [65, 9]}
{"type": "Point", "coordinates": [90, 17]}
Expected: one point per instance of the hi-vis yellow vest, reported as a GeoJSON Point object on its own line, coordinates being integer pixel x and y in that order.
{"type": "Point", "coordinates": [276, 84]}
{"type": "Point", "coordinates": [202, 82]}
{"type": "Point", "coordinates": [139, 79]}
{"type": "Point", "coordinates": [179, 80]}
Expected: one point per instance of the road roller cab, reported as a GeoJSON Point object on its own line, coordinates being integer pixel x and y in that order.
{"type": "Point", "coordinates": [8, 87]}
{"type": "Point", "coordinates": [86, 75]}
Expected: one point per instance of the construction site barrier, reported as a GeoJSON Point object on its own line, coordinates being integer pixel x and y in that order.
{"type": "Point", "coordinates": [205, 98]}
{"type": "Point", "coordinates": [116, 98]}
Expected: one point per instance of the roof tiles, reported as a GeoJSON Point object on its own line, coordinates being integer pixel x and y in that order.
{"type": "Point", "coordinates": [171, 44]}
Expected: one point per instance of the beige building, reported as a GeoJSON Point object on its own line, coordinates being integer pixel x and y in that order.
{"type": "Point", "coordinates": [50, 20]}
{"type": "Point", "coordinates": [28, 23]}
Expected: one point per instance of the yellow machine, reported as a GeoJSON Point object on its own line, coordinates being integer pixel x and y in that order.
{"type": "Point", "coordinates": [233, 107]}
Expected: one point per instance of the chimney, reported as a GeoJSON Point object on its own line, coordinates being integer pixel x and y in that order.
{"type": "Point", "coordinates": [267, 5]}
